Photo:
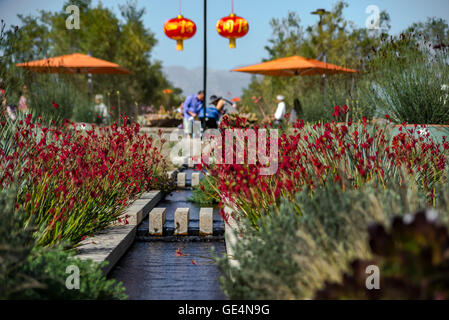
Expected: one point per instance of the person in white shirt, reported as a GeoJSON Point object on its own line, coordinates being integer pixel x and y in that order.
{"type": "Point", "coordinates": [281, 109]}
{"type": "Point", "coordinates": [101, 110]}
{"type": "Point", "coordinates": [296, 112]}
{"type": "Point", "coordinates": [23, 101]}
{"type": "Point", "coordinates": [445, 96]}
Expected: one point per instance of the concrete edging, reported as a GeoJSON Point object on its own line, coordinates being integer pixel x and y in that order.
{"type": "Point", "coordinates": [231, 231]}
{"type": "Point", "coordinates": [111, 243]}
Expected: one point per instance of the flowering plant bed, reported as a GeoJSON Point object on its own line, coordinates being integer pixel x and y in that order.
{"type": "Point", "coordinates": [350, 154]}
{"type": "Point", "coordinates": [292, 232]}
{"type": "Point", "coordinates": [435, 131]}
{"type": "Point", "coordinates": [74, 182]}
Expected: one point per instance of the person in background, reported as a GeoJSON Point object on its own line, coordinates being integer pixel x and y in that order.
{"type": "Point", "coordinates": [23, 101]}
{"type": "Point", "coordinates": [101, 110]}
{"type": "Point", "coordinates": [223, 105]}
{"type": "Point", "coordinates": [296, 111]}
{"type": "Point", "coordinates": [181, 111]}
{"type": "Point", "coordinates": [280, 111]}
{"type": "Point", "coordinates": [192, 107]}
{"type": "Point", "coordinates": [5, 110]}
{"type": "Point", "coordinates": [212, 112]}
{"type": "Point", "coordinates": [180, 108]}
{"type": "Point", "coordinates": [3, 105]}
{"type": "Point", "coordinates": [2, 97]}
{"type": "Point", "coordinates": [445, 97]}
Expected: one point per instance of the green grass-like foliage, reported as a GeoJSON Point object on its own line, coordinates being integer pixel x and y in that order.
{"type": "Point", "coordinates": [16, 244]}
{"type": "Point", "coordinates": [313, 239]}
{"type": "Point", "coordinates": [413, 262]}
{"type": "Point", "coordinates": [49, 267]}
{"type": "Point", "coordinates": [407, 81]}
{"type": "Point", "coordinates": [74, 182]}
{"type": "Point", "coordinates": [204, 194]}
{"type": "Point", "coordinates": [28, 272]}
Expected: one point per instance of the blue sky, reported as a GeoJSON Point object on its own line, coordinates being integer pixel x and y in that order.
{"type": "Point", "coordinates": [258, 12]}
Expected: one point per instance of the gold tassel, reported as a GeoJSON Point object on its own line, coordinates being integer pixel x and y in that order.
{"type": "Point", "coordinates": [232, 43]}
{"type": "Point", "coordinates": [179, 45]}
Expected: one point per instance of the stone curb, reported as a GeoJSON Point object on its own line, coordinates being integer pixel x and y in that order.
{"type": "Point", "coordinates": [140, 208]}
{"type": "Point", "coordinates": [111, 243]}
{"type": "Point", "coordinates": [231, 231]}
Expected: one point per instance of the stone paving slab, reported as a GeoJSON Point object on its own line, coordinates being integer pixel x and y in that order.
{"type": "Point", "coordinates": [107, 245]}
{"type": "Point", "coordinates": [178, 199]}
{"type": "Point", "coordinates": [171, 238]}
{"type": "Point", "coordinates": [182, 221]}
{"type": "Point", "coordinates": [157, 221]}
{"type": "Point", "coordinates": [140, 208]}
{"type": "Point", "coordinates": [110, 244]}
{"type": "Point", "coordinates": [195, 180]}
{"type": "Point", "coordinates": [206, 221]}
{"type": "Point", "coordinates": [181, 180]}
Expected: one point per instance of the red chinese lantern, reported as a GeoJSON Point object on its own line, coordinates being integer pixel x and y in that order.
{"type": "Point", "coordinates": [179, 29]}
{"type": "Point", "coordinates": [232, 27]}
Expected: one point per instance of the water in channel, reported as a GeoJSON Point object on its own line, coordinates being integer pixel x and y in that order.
{"type": "Point", "coordinates": [151, 270]}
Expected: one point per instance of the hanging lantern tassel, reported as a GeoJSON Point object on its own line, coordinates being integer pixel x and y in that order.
{"type": "Point", "coordinates": [232, 27]}
{"type": "Point", "coordinates": [179, 45]}
{"type": "Point", "coordinates": [179, 29]}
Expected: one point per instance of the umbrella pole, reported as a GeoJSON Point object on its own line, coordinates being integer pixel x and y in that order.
{"type": "Point", "coordinates": [89, 82]}
{"type": "Point", "coordinates": [324, 84]}
{"type": "Point", "coordinates": [109, 102]}
{"type": "Point", "coordinates": [324, 78]}
{"type": "Point", "coordinates": [89, 94]}
{"type": "Point", "coordinates": [118, 102]}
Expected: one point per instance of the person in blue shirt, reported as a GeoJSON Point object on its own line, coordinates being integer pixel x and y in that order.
{"type": "Point", "coordinates": [192, 108]}
{"type": "Point", "coordinates": [214, 111]}
{"type": "Point", "coordinates": [212, 117]}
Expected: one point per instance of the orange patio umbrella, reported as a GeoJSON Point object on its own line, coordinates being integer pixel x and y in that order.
{"type": "Point", "coordinates": [74, 63]}
{"type": "Point", "coordinates": [294, 66]}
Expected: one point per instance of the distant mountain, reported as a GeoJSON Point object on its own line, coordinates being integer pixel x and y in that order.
{"type": "Point", "coordinates": [219, 82]}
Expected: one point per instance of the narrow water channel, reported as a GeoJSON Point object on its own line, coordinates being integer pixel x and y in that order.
{"type": "Point", "coordinates": [151, 270]}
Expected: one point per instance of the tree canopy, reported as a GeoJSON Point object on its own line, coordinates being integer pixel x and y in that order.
{"type": "Point", "coordinates": [344, 44]}
{"type": "Point", "coordinates": [123, 40]}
